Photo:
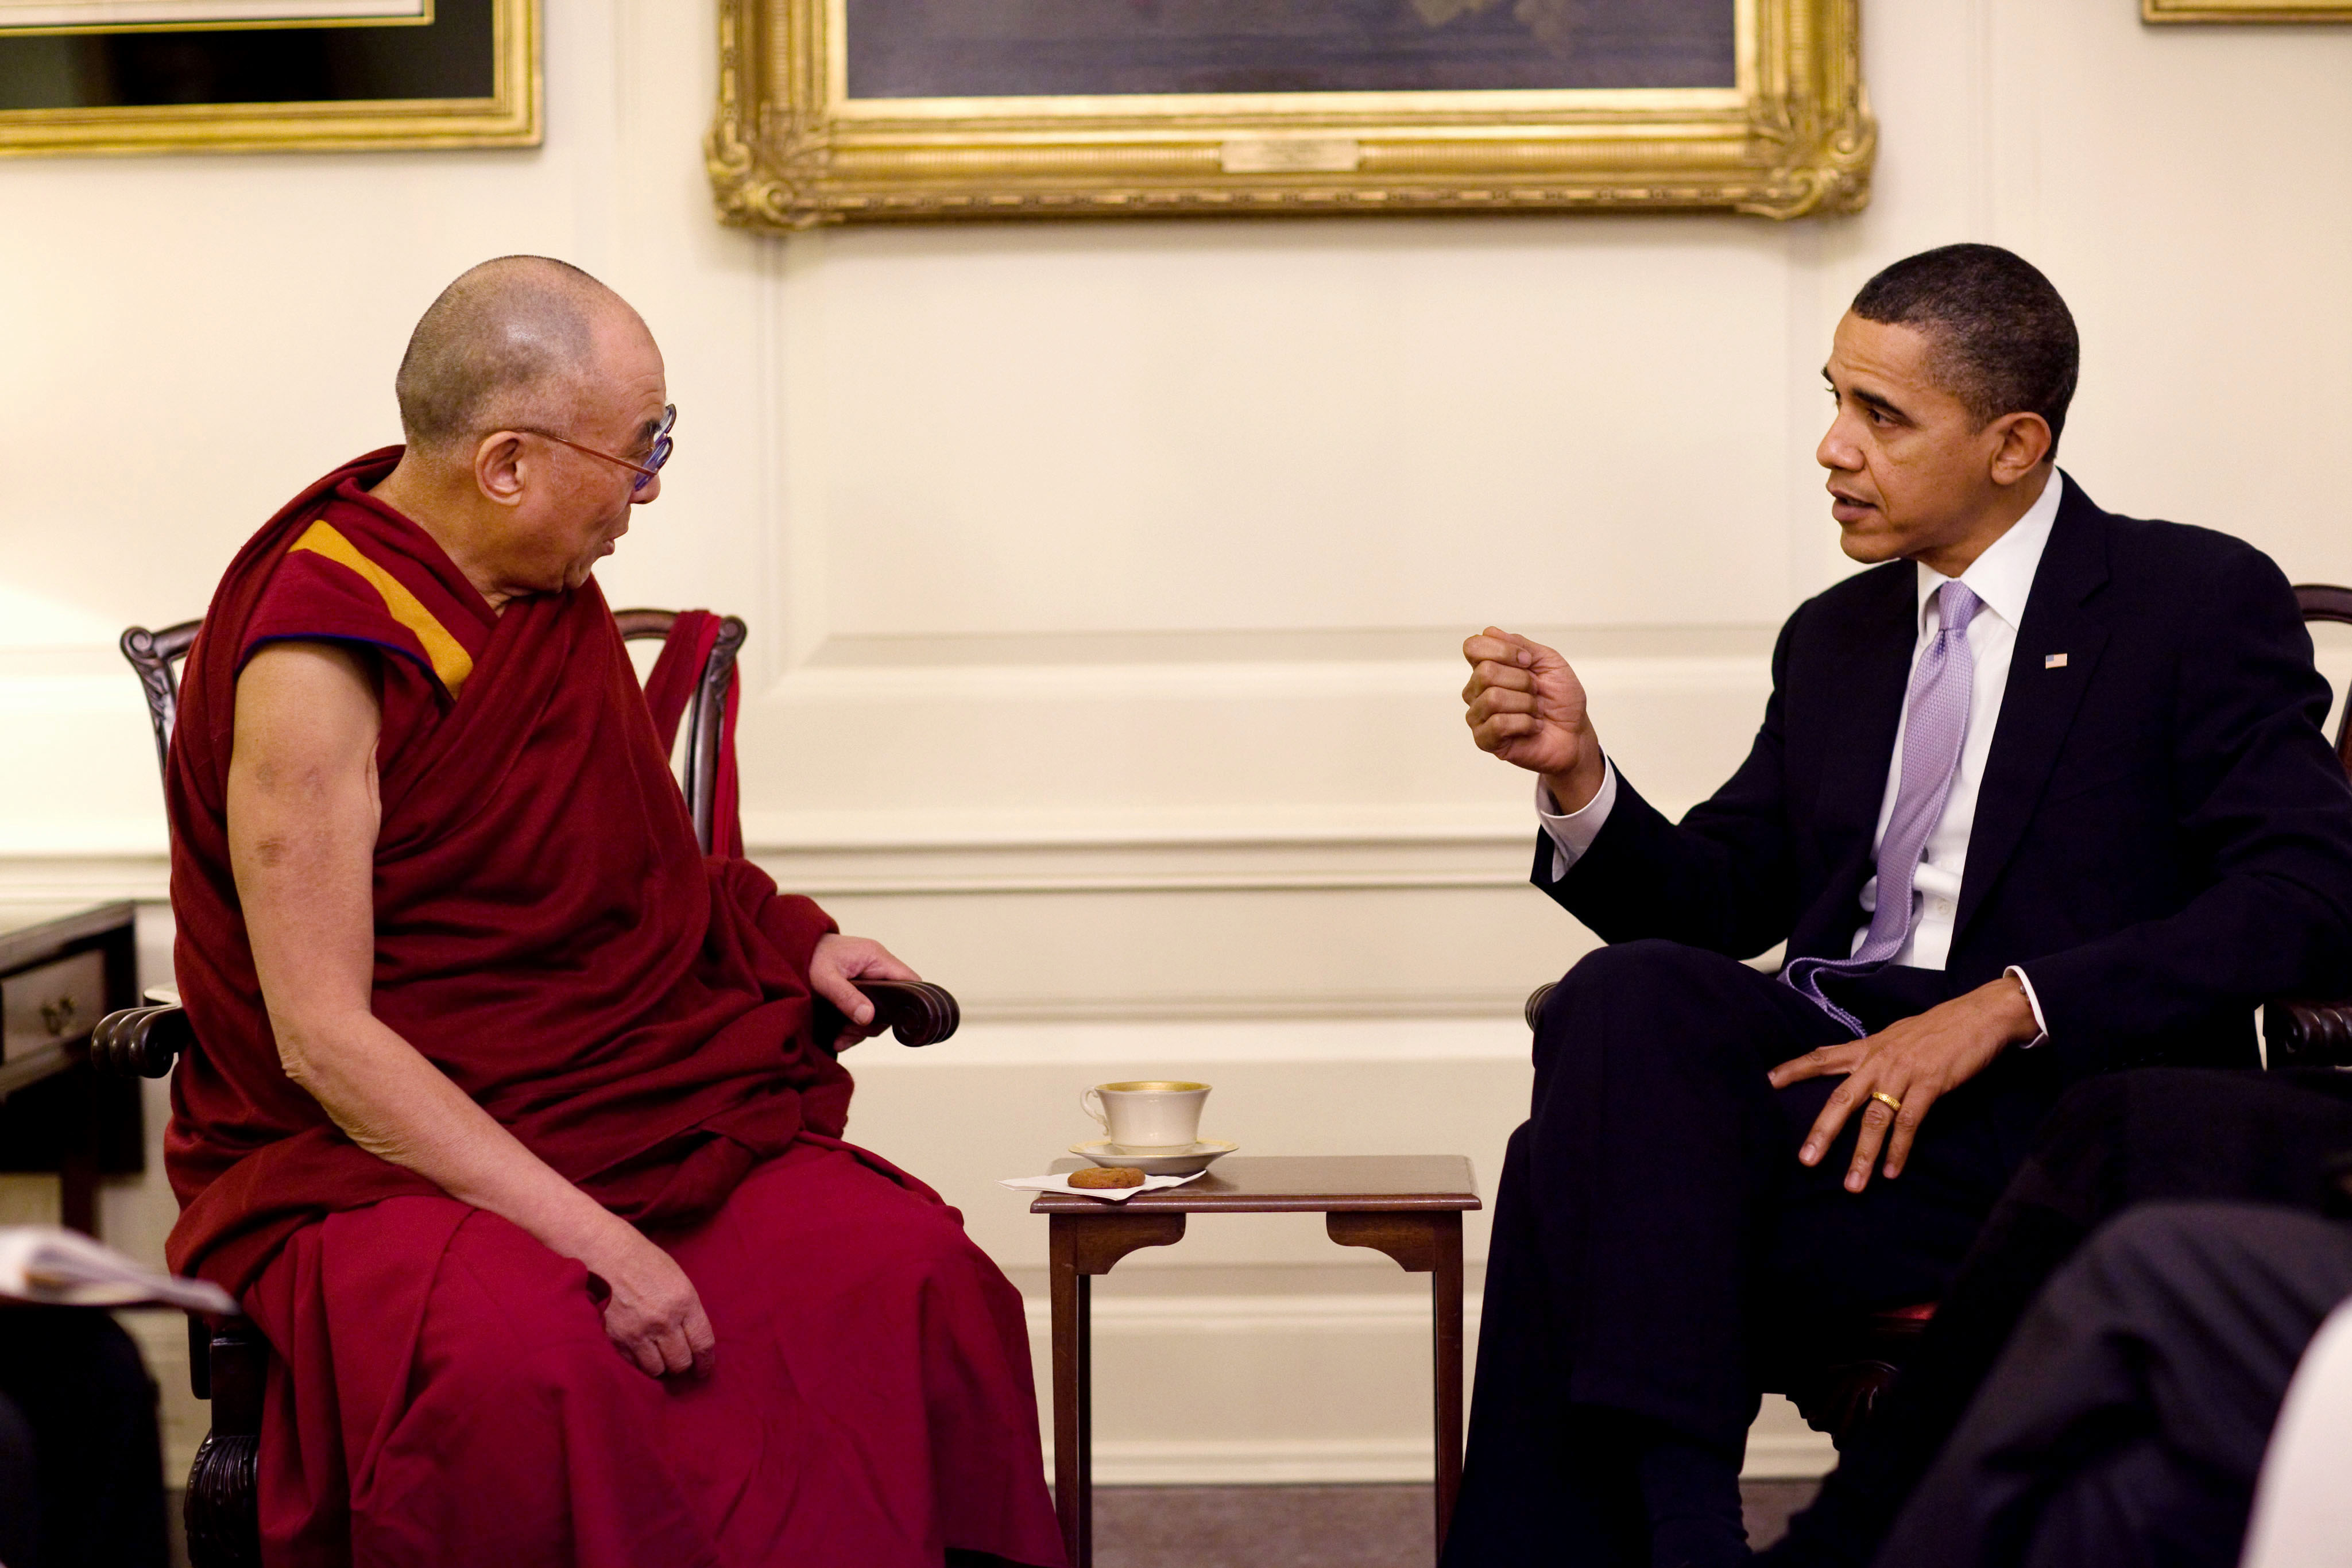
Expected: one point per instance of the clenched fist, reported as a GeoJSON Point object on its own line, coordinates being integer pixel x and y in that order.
{"type": "Point", "coordinates": [1526, 706]}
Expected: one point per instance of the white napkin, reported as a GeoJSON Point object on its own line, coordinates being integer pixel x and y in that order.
{"type": "Point", "coordinates": [1115, 1194]}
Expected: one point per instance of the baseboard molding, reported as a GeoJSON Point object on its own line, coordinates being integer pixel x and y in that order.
{"type": "Point", "coordinates": [1788, 1456]}
{"type": "Point", "coordinates": [1367, 1462]}
{"type": "Point", "coordinates": [1261, 1462]}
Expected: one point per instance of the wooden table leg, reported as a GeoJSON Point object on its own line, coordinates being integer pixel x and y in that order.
{"type": "Point", "coordinates": [1446, 1319]}
{"type": "Point", "coordinates": [1082, 1246]}
{"type": "Point", "coordinates": [1424, 1242]}
{"type": "Point", "coordinates": [1073, 1397]}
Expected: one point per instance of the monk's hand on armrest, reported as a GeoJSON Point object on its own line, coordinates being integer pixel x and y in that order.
{"type": "Point", "coordinates": [841, 962]}
{"type": "Point", "coordinates": [1913, 1062]}
{"type": "Point", "coordinates": [1526, 706]}
{"type": "Point", "coordinates": [653, 1313]}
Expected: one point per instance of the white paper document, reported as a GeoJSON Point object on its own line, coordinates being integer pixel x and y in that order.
{"type": "Point", "coordinates": [52, 1266]}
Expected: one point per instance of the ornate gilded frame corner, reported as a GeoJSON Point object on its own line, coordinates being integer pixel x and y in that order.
{"type": "Point", "coordinates": [789, 150]}
{"type": "Point", "coordinates": [511, 117]}
{"type": "Point", "coordinates": [2244, 10]}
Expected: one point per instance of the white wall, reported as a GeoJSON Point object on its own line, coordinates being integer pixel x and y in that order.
{"type": "Point", "coordinates": [1105, 580]}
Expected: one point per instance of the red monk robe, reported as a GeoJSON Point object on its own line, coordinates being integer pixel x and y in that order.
{"type": "Point", "coordinates": [549, 935]}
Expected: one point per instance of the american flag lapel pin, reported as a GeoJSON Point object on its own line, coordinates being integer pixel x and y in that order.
{"type": "Point", "coordinates": [2055, 661]}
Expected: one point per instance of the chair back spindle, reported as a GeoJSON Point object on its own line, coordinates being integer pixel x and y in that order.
{"type": "Point", "coordinates": [2326, 601]}
{"type": "Point", "coordinates": [157, 657]}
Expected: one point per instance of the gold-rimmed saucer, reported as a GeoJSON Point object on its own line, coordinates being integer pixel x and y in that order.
{"type": "Point", "coordinates": [1204, 1154]}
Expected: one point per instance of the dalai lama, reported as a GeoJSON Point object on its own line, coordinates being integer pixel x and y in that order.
{"type": "Point", "coordinates": [507, 1124]}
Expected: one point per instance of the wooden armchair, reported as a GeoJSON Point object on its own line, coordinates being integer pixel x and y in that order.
{"type": "Point", "coordinates": [229, 1362]}
{"type": "Point", "coordinates": [1838, 1376]}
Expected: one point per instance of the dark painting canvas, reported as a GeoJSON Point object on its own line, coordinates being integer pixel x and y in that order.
{"type": "Point", "coordinates": [998, 48]}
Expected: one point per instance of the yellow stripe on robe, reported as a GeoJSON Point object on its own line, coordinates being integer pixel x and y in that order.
{"type": "Point", "coordinates": [451, 662]}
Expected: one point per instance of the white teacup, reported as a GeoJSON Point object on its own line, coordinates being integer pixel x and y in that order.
{"type": "Point", "coordinates": [1148, 1117]}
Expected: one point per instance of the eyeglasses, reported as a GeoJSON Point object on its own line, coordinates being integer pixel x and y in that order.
{"type": "Point", "coordinates": [643, 471]}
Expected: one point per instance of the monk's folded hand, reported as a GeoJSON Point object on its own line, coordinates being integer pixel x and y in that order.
{"type": "Point", "coordinates": [841, 962]}
{"type": "Point", "coordinates": [652, 1312]}
{"type": "Point", "coordinates": [1913, 1062]}
{"type": "Point", "coordinates": [1525, 706]}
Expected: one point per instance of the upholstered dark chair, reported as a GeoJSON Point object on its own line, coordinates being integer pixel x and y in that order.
{"type": "Point", "coordinates": [229, 1362]}
{"type": "Point", "coordinates": [1837, 1379]}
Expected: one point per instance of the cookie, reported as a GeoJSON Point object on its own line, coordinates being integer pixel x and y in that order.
{"type": "Point", "coordinates": [1107, 1176]}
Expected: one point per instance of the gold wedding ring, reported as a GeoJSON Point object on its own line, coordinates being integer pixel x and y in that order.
{"type": "Point", "coordinates": [1884, 1098]}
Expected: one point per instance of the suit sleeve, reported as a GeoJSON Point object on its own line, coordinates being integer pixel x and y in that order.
{"type": "Point", "coordinates": [1722, 879]}
{"type": "Point", "coordinates": [2264, 820]}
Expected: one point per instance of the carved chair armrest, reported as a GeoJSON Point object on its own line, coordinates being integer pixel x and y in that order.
{"type": "Point", "coordinates": [916, 1011]}
{"type": "Point", "coordinates": [139, 1042]}
{"type": "Point", "coordinates": [2308, 1033]}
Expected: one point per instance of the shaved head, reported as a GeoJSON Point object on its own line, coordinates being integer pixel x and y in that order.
{"type": "Point", "coordinates": [512, 344]}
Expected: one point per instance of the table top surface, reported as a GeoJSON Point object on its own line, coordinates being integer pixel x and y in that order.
{"type": "Point", "coordinates": [1284, 1184]}
{"type": "Point", "coordinates": [30, 933]}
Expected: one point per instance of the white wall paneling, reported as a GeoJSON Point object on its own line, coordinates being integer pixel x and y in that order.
{"type": "Point", "coordinates": [1105, 580]}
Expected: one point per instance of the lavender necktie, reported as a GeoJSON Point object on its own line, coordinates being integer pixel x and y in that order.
{"type": "Point", "coordinates": [1937, 722]}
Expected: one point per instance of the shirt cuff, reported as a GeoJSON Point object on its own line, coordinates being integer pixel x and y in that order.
{"type": "Point", "coordinates": [2034, 1002]}
{"type": "Point", "coordinates": [1572, 833]}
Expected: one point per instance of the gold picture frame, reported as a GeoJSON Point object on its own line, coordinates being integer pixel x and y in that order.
{"type": "Point", "coordinates": [2244, 10]}
{"type": "Point", "coordinates": [502, 39]}
{"type": "Point", "coordinates": [790, 149]}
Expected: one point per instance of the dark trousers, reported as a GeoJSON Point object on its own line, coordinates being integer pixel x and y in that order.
{"type": "Point", "coordinates": [2125, 1423]}
{"type": "Point", "coordinates": [1653, 1232]}
{"type": "Point", "coordinates": [2155, 1135]}
{"type": "Point", "coordinates": [81, 1467]}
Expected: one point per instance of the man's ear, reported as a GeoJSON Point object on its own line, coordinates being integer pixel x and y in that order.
{"type": "Point", "coordinates": [2023, 442]}
{"type": "Point", "coordinates": [498, 468]}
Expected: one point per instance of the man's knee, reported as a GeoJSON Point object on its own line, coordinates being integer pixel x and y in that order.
{"type": "Point", "coordinates": [2109, 1114]}
{"type": "Point", "coordinates": [1648, 962]}
{"type": "Point", "coordinates": [1637, 984]}
{"type": "Point", "coordinates": [2168, 1257]}
{"type": "Point", "coordinates": [2104, 1109]}
{"type": "Point", "coordinates": [923, 1244]}
{"type": "Point", "coordinates": [876, 1234]}
{"type": "Point", "coordinates": [2155, 1241]}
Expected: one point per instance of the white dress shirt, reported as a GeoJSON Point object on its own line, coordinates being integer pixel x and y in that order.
{"type": "Point", "coordinates": [2003, 578]}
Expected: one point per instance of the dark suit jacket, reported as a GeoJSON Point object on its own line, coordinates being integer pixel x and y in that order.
{"type": "Point", "coordinates": [2163, 838]}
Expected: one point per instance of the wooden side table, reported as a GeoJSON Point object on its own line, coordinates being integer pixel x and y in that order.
{"type": "Point", "coordinates": [62, 968]}
{"type": "Point", "coordinates": [1408, 1205]}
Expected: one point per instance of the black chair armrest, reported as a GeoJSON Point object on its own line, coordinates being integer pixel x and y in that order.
{"type": "Point", "coordinates": [1533, 1011]}
{"type": "Point", "coordinates": [139, 1042]}
{"type": "Point", "coordinates": [916, 1011]}
{"type": "Point", "coordinates": [2308, 1034]}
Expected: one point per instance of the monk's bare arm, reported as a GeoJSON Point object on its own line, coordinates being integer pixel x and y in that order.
{"type": "Point", "coordinates": [302, 820]}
